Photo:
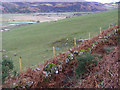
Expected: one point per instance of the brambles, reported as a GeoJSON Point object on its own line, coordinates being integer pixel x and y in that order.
{"type": "Point", "coordinates": [108, 49]}
{"type": "Point", "coordinates": [7, 66]}
{"type": "Point", "coordinates": [105, 74]}
{"type": "Point", "coordinates": [70, 56]}
{"type": "Point", "coordinates": [49, 69]}
{"type": "Point", "coordinates": [15, 73]}
{"type": "Point", "coordinates": [85, 61]}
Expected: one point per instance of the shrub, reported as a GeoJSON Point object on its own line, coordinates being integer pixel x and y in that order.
{"type": "Point", "coordinates": [108, 49]}
{"type": "Point", "coordinates": [49, 69]}
{"type": "Point", "coordinates": [85, 61]}
{"type": "Point", "coordinates": [7, 66]}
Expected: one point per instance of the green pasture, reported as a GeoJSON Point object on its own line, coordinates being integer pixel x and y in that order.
{"type": "Point", "coordinates": [34, 42]}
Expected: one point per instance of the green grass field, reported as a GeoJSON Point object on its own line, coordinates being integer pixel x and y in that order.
{"type": "Point", "coordinates": [34, 42]}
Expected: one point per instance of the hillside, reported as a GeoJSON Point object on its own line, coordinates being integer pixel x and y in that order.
{"type": "Point", "coordinates": [34, 42]}
{"type": "Point", "coordinates": [92, 64]}
{"type": "Point", "coordinates": [36, 7]}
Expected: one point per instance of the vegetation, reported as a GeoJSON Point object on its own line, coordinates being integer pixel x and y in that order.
{"type": "Point", "coordinates": [34, 42]}
{"type": "Point", "coordinates": [65, 78]}
{"type": "Point", "coordinates": [108, 49]}
{"type": "Point", "coordinates": [7, 66]}
{"type": "Point", "coordinates": [85, 61]}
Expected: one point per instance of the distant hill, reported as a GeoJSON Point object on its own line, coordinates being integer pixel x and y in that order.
{"type": "Point", "coordinates": [36, 7]}
{"type": "Point", "coordinates": [111, 5]}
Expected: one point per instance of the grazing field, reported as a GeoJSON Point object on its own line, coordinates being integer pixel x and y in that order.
{"type": "Point", "coordinates": [34, 42]}
{"type": "Point", "coordinates": [8, 20]}
{"type": "Point", "coordinates": [29, 17]}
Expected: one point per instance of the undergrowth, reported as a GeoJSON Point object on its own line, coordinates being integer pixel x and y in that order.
{"type": "Point", "coordinates": [85, 62]}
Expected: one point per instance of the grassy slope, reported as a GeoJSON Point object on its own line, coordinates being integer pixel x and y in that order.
{"type": "Point", "coordinates": [33, 42]}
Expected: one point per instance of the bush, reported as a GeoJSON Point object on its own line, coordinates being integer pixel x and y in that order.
{"type": "Point", "coordinates": [108, 49]}
{"type": "Point", "coordinates": [85, 61]}
{"type": "Point", "coordinates": [7, 66]}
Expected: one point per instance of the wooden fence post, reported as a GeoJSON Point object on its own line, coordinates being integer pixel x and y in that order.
{"type": "Point", "coordinates": [89, 35]}
{"type": "Point", "coordinates": [100, 30]}
{"type": "Point", "coordinates": [20, 62]}
{"type": "Point", "coordinates": [74, 42]}
{"type": "Point", "coordinates": [53, 51]}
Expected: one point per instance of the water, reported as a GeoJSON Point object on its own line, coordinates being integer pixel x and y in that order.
{"type": "Point", "coordinates": [21, 22]}
{"type": "Point", "coordinates": [0, 23]}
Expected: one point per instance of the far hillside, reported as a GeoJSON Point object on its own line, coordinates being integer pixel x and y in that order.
{"type": "Point", "coordinates": [34, 42]}
{"type": "Point", "coordinates": [37, 7]}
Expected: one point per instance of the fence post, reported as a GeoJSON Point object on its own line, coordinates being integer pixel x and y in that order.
{"type": "Point", "coordinates": [53, 51]}
{"type": "Point", "coordinates": [89, 35]}
{"type": "Point", "coordinates": [20, 62]}
{"type": "Point", "coordinates": [74, 42]}
{"type": "Point", "coordinates": [100, 30]}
